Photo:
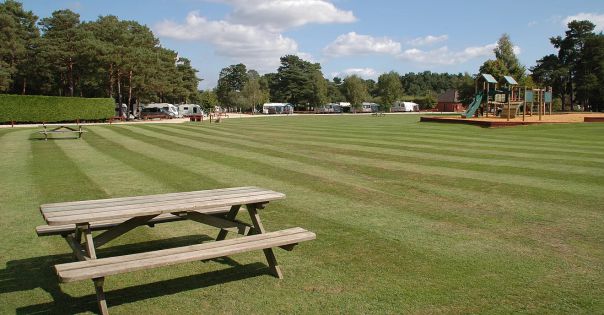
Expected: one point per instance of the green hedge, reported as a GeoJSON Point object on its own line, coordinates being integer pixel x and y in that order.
{"type": "Point", "coordinates": [34, 108]}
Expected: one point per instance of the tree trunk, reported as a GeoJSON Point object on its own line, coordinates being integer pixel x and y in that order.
{"type": "Point", "coordinates": [70, 77]}
{"type": "Point", "coordinates": [111, 80]}
{"type": "Point", "coordinates": [24, 86]}
{"type": "Point", "coordinates": [119, 93]}
{"type": "Point", "coordinates": [130, 106]}
{"type": "Point", "coordinates": [571, 91]}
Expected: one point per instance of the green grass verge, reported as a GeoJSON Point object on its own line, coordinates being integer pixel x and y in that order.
{"type": "Point", "coordinates": [410, 217]}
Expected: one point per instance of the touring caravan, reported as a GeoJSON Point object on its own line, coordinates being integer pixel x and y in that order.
{"type": "Point", "coordinates": [370, 107]}
{"type": "Point", "coordinates": [329, 108]}
{"type": "Point", "coordinates": [186, 110]}
{"type": "Point", "coordinates": [405, 107]}
{"type": "Point", "coordinates": [171, 109]}
{"type": "Point", "coordinates": [277, 108]}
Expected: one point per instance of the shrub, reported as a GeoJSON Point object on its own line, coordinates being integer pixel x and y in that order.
{"type": "Point", "coordinates": [424, 102]}
{"type": "Point", "coordinates": [34, 108]}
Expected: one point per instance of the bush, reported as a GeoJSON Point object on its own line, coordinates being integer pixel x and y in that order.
{"type": "Point", "coordinates": [33, 108]}
{"type": "Point", "coordinates": [427, 102]}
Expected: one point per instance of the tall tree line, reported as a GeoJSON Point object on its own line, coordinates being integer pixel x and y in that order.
{"type": "Point", "coordinates": [576, 72]}
{"type": "Point", "coordinates": [109, 57]}
{"type": "Point", "coordinates": [302, 83]}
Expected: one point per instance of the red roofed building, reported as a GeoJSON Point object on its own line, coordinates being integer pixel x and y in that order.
{"type": "Point", "coordinates": [449, 102]}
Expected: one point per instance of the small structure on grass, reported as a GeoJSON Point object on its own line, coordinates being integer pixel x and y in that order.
{"type": "Point", "coordinates": [449, 102]}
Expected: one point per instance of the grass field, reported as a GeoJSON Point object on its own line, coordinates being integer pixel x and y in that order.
{"type": "Point", "coordinates": [409, 217]}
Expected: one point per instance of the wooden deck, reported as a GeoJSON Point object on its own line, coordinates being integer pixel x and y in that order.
{"type": "Point", "coordinates": [494, 122]}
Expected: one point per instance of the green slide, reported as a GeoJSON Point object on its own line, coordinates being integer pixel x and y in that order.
{"type": "Point", "coordinates": [469, 113]}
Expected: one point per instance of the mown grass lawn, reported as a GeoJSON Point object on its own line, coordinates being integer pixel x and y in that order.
{"type": "Point", "coordinates": [409, 217]}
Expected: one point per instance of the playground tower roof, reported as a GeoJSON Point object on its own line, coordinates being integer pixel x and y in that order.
{"type": "Point", "coordinates": [489, 78]}
{"type": "Point", "coordinates": [510, 80]}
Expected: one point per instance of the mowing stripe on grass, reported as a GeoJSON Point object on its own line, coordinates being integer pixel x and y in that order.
{"type": "Point", "coordinates": [550, 184]}
{"type": "Point", "coordinates": [419, 141]}
{"type": "Point", "coordinates": [487, 136]}
{"type": "Point", "coordinates": [59, 178]}
{"type": "Point", "coordinates": [18, 203]}
{"type": "Point", "coordinates": [176, 176]}
{"type": "Point", "coordinates": [303, 148]}
{"type": "Point", "coordinates": [443, 146]}
{"type": "Point", "coordinates": [354, 208]}
{"type": "Point", "coordinates": [463, 197]}
{"type": "Point", "coordinates": [478, 136]}
{"type": "Point", "coordinates": [423, 205]}
{"type": "Point", "coordinates": [112, 175]}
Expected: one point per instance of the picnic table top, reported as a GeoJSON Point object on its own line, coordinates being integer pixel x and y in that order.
{"type": "Point", "coordinates": [130, 207]}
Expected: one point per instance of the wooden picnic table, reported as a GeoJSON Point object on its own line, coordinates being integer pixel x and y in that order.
{"type": "Point", "coordinates": [62, 129]}
{"type": "Point", "coordinates": [76, 221]}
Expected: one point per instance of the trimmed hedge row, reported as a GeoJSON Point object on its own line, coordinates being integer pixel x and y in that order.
{"type": "Point", "coordinates": [35, 108]}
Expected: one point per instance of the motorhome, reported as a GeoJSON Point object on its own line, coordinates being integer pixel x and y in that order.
{"type": "Point", "coordinates": [367, 107]}
{"type": "Point", "coordinates": [186, 110]}
{"type": "Point", "coordinates": [277, 108]}
{"type": "Point", "coordinates": [171, 109]}
{"type": "Point", "coordinates": [329, 108]}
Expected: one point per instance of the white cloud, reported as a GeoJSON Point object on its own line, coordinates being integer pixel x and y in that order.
{"type": "Point", "coordinates": [444, 56]}
{"type": "Point", "coordinates": [365, 73]}
{"type": "Point", "coordinates": [357, 44]}
{"type": "Point", "coordinates": [258, 48]}
{"type": "Point", "coordinates": [597, 19]}
{"type": "Point", "coordinates": [532, 23]}
{"type": "Point", "coordinates": [252, 32]}
{"type": "Point", "coordinates": [278, 15]}
{"type": "Point", "coordinates": [428, 40]}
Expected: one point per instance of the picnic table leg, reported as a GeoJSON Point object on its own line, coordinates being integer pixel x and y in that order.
{"type": "Point", "coordinates": [268, 253]}
{"type": "Point", "coordinates": [89, 240]}
{"type": "Point", "coordinates": [98, 282]}
{"type": "Point", "coordinates": [100, 295]}
{"type": "Point", "coordinates": [230, 216]}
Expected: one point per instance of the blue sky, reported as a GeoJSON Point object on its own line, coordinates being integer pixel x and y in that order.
{"type": "Point", "coordinates": [346, 36]}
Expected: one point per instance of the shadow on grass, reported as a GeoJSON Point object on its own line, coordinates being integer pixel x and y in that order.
{"type": "Point", "coordinates": [37, 272]}
{"type": "Point", "coordinates": [53, 139]}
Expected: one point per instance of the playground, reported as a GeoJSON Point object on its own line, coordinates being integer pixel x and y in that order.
{"type": "Point", "coordinates": [501, 103]}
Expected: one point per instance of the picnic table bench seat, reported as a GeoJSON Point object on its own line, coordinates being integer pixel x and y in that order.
{"type": "Point", "coordinates": [102, 267]}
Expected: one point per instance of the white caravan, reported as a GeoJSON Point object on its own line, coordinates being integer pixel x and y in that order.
{"type": "Point", "coordinates": [185, 110]}
{"type": "Point", "coordinates": [172, 110]}
{"type": "Point", "coordinates": [405, 107]}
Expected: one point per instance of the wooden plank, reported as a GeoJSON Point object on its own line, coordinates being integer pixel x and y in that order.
{"type": "Point", "coordinates": [216, 199]}
{"type": "Point", "coordinates": [120, 229]}
{"type": "Point", "coordinates": [47, 230]}
{"type": "Point", "coordinates": [77, 248]}
{"type": "Point", "coordinates": [44, 230]}
{"type": "Point", "coordinates": [88, 270]}
{"type": "Point", "coordinates": [145, 198]}
{"type": "Point", "coordinates": [100, 214]}
{"type": "Point", "coordinates": [90, 251]}
{"type": "Point", "coordinates": [154, 203]}
{"type": "Point", "coordinates": [100, 295]}
{"type": "Point", "coordinates": [230, 216]}
{"type": "Point", "coordinates": [182, 249]}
